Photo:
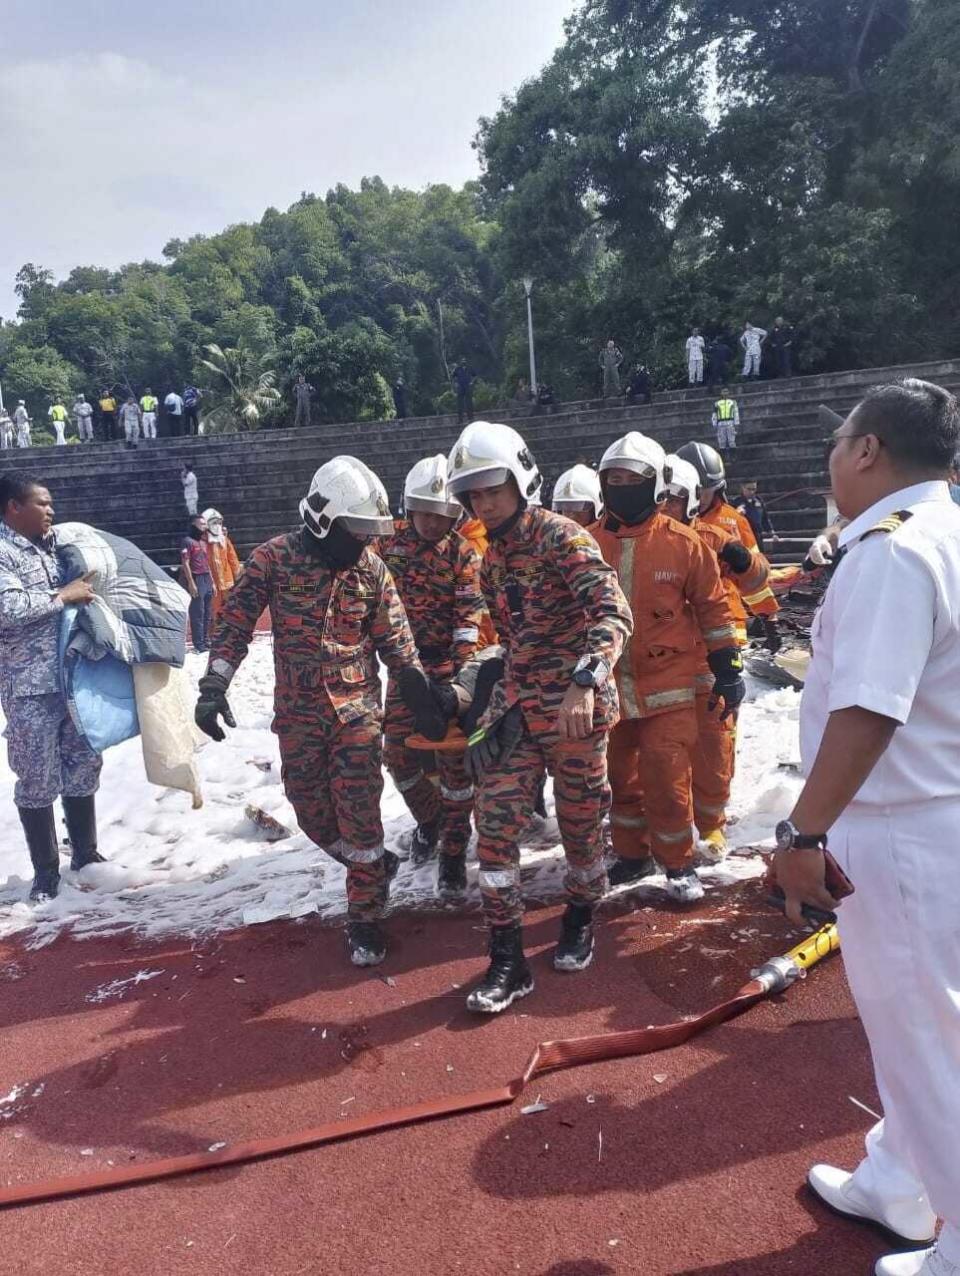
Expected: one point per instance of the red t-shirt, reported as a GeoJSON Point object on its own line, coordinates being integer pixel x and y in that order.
{"type": "Point", "coordinates": [195, 553]}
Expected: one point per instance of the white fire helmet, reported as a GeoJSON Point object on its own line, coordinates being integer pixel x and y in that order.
{"type": "Point", "coordinates": [641, 454]}
{"type": "Point", "coordinates": [346, 489]}
{"type": "Point", "coordinates": [684, 481]}
{"type": "Point", "coordinates": [486, 454]}
{"type": "Point", "coordinates": [577, 486]}
{"type": "Point", "coordinates": [425, 489]}
{"type": "Point", "coordinates": [214, 521]}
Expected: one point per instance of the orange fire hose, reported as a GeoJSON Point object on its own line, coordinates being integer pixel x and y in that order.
{"type": "Point", "coordinates": [774, 976]}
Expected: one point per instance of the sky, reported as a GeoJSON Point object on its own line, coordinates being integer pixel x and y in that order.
{"type": "Point", "coordinates": [125, 123]}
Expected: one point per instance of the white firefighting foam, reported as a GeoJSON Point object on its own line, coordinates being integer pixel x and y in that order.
{"type": "Point", "coordinates": [172, 870]}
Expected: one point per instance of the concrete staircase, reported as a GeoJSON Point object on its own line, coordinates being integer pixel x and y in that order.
{"type": "Point", "coordinates": [257, 480]}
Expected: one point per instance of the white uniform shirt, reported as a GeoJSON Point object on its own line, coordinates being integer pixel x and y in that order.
{"type": "Point", "coordinates": [887, 639]}
{"type": "Point", "coordinates": [751, 338]}
{"type": "Point", "coordinates": [694, 348]}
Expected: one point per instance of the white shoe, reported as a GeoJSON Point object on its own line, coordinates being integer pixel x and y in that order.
{"type": "Point", "coordinates": [913, 1224]}
{"type": "Point", "coordinates": [923, 1262]}
{"type": "Point", "coordinates": [684, 886]}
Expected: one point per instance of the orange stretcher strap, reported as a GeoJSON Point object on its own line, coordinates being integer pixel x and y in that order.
{"type": "Point", "coordinates": [454, 742]}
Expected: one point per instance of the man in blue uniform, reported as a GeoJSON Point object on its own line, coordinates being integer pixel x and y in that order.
{"type": "Point", "coordinates": [46, 753]}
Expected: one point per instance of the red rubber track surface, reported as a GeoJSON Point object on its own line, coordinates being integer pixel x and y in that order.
{"type": "Point", "coordinates": [686, 1162]}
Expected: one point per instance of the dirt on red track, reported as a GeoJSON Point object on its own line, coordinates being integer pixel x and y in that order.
{"type": "Point", "coordinates": [686, 1162]}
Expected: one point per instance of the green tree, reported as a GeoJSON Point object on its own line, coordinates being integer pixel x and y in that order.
{"type": "Point", "coordinates": [242, 391]}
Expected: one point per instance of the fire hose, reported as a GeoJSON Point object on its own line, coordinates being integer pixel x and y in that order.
{"type": "Point", "coordinates": [774, 976]}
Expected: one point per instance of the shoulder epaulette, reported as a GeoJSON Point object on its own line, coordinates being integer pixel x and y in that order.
{"type": "Point", "coordinates": [889, 524]}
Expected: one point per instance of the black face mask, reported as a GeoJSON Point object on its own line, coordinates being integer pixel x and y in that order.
{"type": "Point", "coordinates": [338, 549]}
{"type": "Point", "coordinates": [195, 532]}
{"type": "Point", "coordinates": [631, 504]}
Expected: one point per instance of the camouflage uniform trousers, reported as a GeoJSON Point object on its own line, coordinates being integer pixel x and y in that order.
{"type": "Point", "coordinates": [452, 805]}
{"type": "Point", "coordinates": [331, 774]}
{"type": "Point", "coordinates": [47, 754]}
{"type": "Point", "coordinates": [505, 799]}
{"type": "Point", "coordinates": [713, 765]}
{"type": "Point", "coordinates": [650, 776]}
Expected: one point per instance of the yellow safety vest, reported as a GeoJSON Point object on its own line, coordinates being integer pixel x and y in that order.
{"type": "Point", "coordinates": [149, 403]}
{"type": "Point", "coordinates": [58, 413]}
{"type": "Point", "coordinates": [108, 405]}
{"type": "Point", "coordinates": [725, 409]}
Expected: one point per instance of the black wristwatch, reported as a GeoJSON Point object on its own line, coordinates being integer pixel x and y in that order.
{"type": "Point", "coordinates": [590, 671]}
{"type": "Point", "coordinates": [789, 838]}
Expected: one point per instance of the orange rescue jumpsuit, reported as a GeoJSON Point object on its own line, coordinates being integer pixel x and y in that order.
{"type": "Point", "coordinates": [761, 601]}
{"type": "Point", "coordinates": [673, 584]}
{"type": "Point", "coordinates": [714, 758]}
{"type": "Point", "coordinates": [224, 569]}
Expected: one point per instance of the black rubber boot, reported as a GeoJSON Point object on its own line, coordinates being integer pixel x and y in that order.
{"type": "Point", "coordinates": [40, 830]}
{"type": "Point", "coordinates": [508, 975]}
{"type": "Point", "coordinates": [423, 844]}
{"type": "Point", "coordinates": [452, 876]}
{"type": "Point", "coordinates": [575, 948]}
{"type": "Point", "coordinates": [433, 704]}
{"type": "Point", "coordinates": [624, 872]}
{"type": "Point", "coordinates": [366, 943]}
{"type": "Point", "coordinates": [391, 863]}
{"type": "Point", "coordinates": [80, 814]}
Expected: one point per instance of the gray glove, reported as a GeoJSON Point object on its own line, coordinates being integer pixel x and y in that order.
{"type": "Point", "coordinates": [493, 744]}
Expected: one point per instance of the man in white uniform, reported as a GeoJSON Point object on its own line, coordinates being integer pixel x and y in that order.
{"type": "Point", "coordinates": [695, 357]}
{"type": "Point", "coordinates": [83, 419]}
{"type": "Point", "coordinates": [880, 742]}
{"type": "Point", "coordinates": [21, 420]}
{"type": "Point", "coordinates": [752, 340]}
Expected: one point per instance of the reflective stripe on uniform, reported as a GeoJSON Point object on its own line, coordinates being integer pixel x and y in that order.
{"type": "Point", "coordinates": [358, 854]}
{"type": "Point", "coordinates": [498, 878]}
{"type": "Point", "coordinates": [683, 836]}
{"type": "Point", "coordinates": [471, 634]}
{"type": "Point", "coordinates": [628, 821]}
{"type": "Point", "coordinates": [456, 795]}
{"type": "Point", "coordinates": [724, 631]}
{"type": "Point", "coordinates": [659, 699]}
{"type": "Point", "coordinates": [761, 596]}
{"type": "Point", "coordinates": [628, 686]}
{"type": "Point", "coordinates": [404, 786]}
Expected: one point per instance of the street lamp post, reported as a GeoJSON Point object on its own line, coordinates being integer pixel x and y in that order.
{"type": "Point", "coordinates": [528, 289]}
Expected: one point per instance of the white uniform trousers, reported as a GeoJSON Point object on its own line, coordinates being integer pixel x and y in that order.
{"type": "Point", "coordinates": [695, 369]}
{"type": "Point", "coordinates": [149, 425]}
{"type": "Point", "coordinates": [900, 936]}
{"type": "Point", "coordinates": [751, 362]}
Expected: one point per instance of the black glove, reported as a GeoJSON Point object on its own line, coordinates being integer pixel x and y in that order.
{"type": "Point", "coordinates": [493, 744]}
{"type": "Point", "coordinates": [211, 705]}
{"type": "Point", "coordinates": [772, 640]}
{"type": "Point", "coordinates": [736, 556]}
{"type": "Point", "coordinates": [726, 665]}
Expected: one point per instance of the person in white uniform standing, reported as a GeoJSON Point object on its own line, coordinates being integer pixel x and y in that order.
{"type": "Point", "coordinates": [880, 744]}
{"type": "Point", "coordinates": [694, 348]}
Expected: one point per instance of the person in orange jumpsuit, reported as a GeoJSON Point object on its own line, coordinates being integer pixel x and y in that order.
{"type": "Point", "coordinates": [577, 495]}
{"type": "Point", "coordinates": [679, 606]}
{"type": "Point", "coordinates": [747, 572]}
{"type": "Point", "coordinates": [437, 573]}
{"type": "Point", "coordinates": [716, 511]}
{"type": "Point", "coordinates": [223, 559]}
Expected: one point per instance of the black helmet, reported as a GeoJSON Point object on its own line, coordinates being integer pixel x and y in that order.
{"type": "Point", "coordinates": [708, 463]}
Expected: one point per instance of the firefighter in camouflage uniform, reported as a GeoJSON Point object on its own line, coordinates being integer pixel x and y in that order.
{"type": "Point", "coordinates": [438, 576]}
{"type": "Point", "coordinates": [332, 604]}
{"type": "Point", "coordinates": [562, 620]}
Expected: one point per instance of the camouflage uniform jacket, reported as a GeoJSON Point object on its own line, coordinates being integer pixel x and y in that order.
{"type": "Point", "coordinates": [29, 615]}
{"type": "Point", "coordinates": [440, 588]}
{"type": "Point", "coordinates": [553, 600]}
{"type": "Point", "coordinates": [326, 627]}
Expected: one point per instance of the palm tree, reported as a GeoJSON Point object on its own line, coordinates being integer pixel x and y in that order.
{"type": "Point", "coordinates": [243, 390]}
